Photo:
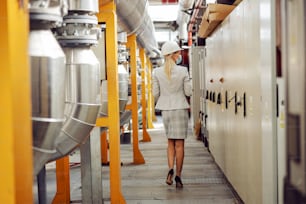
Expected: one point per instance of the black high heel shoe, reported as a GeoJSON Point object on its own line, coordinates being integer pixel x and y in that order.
{"type": "Point", "coordinates": [169, 177]}
{"type": "Point", "coordinates": [178, 182]}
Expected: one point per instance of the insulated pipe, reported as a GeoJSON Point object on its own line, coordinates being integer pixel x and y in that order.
{"type": "Point", "coordinates": [123, 80]}
{"type": "Point", "coordinates": [183, 17]}
{"type": "Point", "coordinates": [184, 5]}
{"type": "Point", "coordinates": [133, 18]}
{"type": "Point", "coordinates": [82, 99]}
{"type": "Point", "coordinates": [48, 75]}
{"type": "Point", "coordinates": [47, 78]}
{"type": "Point", "coordinates": [54, 135]}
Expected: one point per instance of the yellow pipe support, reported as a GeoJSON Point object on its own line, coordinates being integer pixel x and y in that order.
{"type": "Point", "coordinates": [107, 14]}
{"type": "Point", "coordinates": [62, 195]}
{"type": "Point", "coordinates": [132, 45]}
{"type": "Point", "coordinates": [145, 135]}
{"type": "Point", "coordinates": [151, 110]}
{"type": "Point", "coordinates": [102, 122]}
{"type": "Point", "coordinates": [16, 170]}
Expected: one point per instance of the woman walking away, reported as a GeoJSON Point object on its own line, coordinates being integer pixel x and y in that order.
{"type": "Point", "coordinates": [171, 85]}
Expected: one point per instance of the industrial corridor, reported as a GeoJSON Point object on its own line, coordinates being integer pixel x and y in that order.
{"type": "Point", "coordinates": [80, 116]}
{"type": "Point", "coordinates": [203, 182]}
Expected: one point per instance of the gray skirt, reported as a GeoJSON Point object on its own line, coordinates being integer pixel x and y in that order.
{"type": "Point", "coordinates": [175, 123]}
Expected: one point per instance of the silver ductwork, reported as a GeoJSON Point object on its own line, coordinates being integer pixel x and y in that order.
{"type": "Point", "coordinates": [82, 99]}
{"type": "Point", "coordinates": [183, 18]}
{"type": "Point", "coordinates": [48, 75]}
{"type": "Point", "coordinates": [47, 78]}
{"type": "Point", "coordinates": [78, 33]}
{"type": "Point", "coordinates": [123, 80]}
{"type": "Point", "coordinates": [133, 18]}
{"type": "Point", "coordinates": [66, 91]}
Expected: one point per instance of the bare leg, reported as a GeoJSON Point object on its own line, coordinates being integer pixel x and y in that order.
{"type": "Point", "coordinates": [179, 153]}
{"type": "Point", "coordinates": [171, 156]}
{"type": "Point", "coordinates": [171, 153]}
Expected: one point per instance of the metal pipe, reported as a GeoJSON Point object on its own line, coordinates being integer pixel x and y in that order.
{"type": "Point", "coordinates": [78, 33]}
{"type": "Point", "coordinates": [82, 99]}
{"type": "Point", "coordinates": [183, 18]}
{"type": "Point", "coordinates": [58, 128]}
{"type": "Point", "coordinates": [48, 75]}
{"type": "Point", "coordinates": [47, 78]}
{"type": "Point", "coordinates": [88, 6]}
{"type": "Point", "coordinates": [134, 19]}
{"type": "Point", "coordinates": [123, 80]}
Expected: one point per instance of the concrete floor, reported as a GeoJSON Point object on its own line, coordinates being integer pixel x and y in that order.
{"type": "Point", "coordinates": [145, 184]}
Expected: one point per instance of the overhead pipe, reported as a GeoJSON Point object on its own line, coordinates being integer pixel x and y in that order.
{"type": "Point", "coordinates": [134, 18]}
{"type": "Point", "coordinates": [183, 17]}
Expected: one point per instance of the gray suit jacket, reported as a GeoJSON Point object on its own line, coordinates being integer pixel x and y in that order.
{"type": "Point", "coordinates": [171, 95]}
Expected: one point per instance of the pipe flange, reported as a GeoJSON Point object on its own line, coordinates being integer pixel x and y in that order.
{"type": "Point", "coordinates": [78, 30]}
{"type": "Point", "coordinates": [43, 14]}
{"type": "Point", "coordinates": [45, 18]}
{"type": "Point", "coordinates": [77, 42]}
{"type": "Point", "coordinates": [42, 20]}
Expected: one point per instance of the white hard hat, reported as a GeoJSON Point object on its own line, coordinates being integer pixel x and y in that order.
{"type": "Point", "coordinates": [170, 47]}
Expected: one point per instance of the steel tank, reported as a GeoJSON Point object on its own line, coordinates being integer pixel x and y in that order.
{"type": "Point", "coordinates": [47, 78]}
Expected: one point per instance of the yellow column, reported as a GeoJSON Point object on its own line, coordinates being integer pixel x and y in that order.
{"type": "Point", "coordinates": [107, 14]}
{"type": "Point", "coordinates": [151, 105]}
{"type": "Point", "coordinates": [62, 195]}
{"type": "Point", "coordinates": [132, 45]}
{"type": "Point", "coordinates": [145, 135]}
{"type": "Point", "coordinates": [16, 168]}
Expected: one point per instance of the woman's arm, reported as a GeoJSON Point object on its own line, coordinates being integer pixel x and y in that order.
{"type": "Point", "coordinates": [187, 84]}
{"type": "Point", "coordinates": [156, 87]}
